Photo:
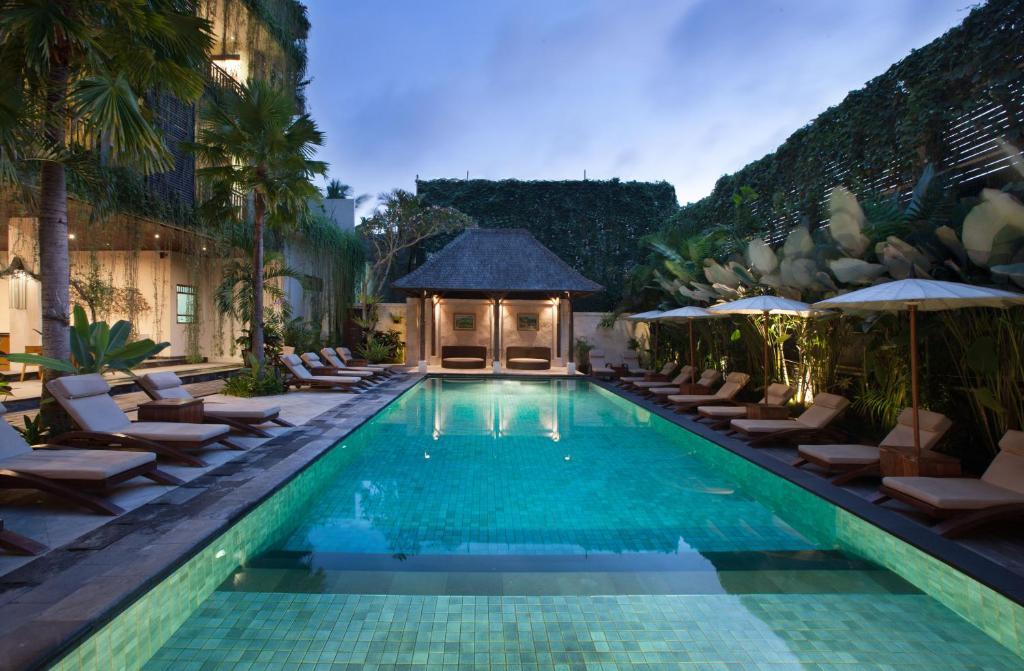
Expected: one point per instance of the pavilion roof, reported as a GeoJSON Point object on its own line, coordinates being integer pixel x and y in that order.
{"type": "Point", "coordinates": [496, 261]}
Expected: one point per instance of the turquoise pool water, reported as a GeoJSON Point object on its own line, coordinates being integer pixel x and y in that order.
{"type": "Point", "coordinates": [549, 524]}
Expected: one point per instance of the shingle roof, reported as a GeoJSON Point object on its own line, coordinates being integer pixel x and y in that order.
{"type": "Point", "coordinates": [496, 260]}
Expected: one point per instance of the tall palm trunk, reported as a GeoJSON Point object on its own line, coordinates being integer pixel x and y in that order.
{"type": "Point", "coordinates": [256, 328]}
{"type": "Point", "coordinates": [54, 262]}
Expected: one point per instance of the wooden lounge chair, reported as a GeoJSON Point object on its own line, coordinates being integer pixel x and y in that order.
{"type": "Point", "coordinates": [682, 377]}
{"type": "Point", "coordinates": [101, 422]}
{"type": "Point", "coordinates": [631, 365]}
{"type": "Point", "coordinates": [315, 365]}
{"type": "Point", "coordinates": [734, 384]}
{"type": "Point", "coordinates": [243, 416]}
{"type": "Point", "coordinates": [664, 375]}
{"type": "Point", "coordinates": [812, 424]}
{"type": "Point", "coordinates": [856, 461]}
{"type": "Point", "coordinates": [300, 377]}
{"type": "Point", "coordinates": [962, 504]}
{"type": "Point", "coordinates": [69, 473]}
{"type": "Point", "coordinates": [330, 358]}
{"type": "Point", "coordinates": [18, 544]}
{"type": "Point", "coordinates": [719, 416]}
{"type": "Point", "coordinates": [599, 366]}
{"type": "Point", "coordinates": [346, 356]}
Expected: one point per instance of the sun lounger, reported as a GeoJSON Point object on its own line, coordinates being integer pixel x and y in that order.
{"type": "Point", "coordinates": [18, 544]}
{"type": "Point", "coordinates": [734, 384]}
{"type": "Point", "coordinates": [855, 461]}
{"type": "Point", "coordinates": [682, 377]}
{"type": "Point", "coordinates": [300, 377]}
{"type": "Point", "coordinates": [719, 416]}
{"type": "Point", "coordinates": [962, 504]}
{"type": "Point", "coordinates": [331, 358]}
{"type": "Point", "coordinates": [707, 380]}
{"type": "Point", "coordinates": [664, 375]}
{"type": "Point", "coordinates": [71, 473]}
{"type": "Point", "coordinates": [813, 424]}
{"type": "Point", "coordinates": [317, 366]}
{"type": "Point", "coordinates": [599, 366]}
{"type": "Point", "coordinates": [243, 415]}
{"type": "Point", "coordinates": [86, 398]}
{"type": "Point", "coordinates": [346, 356]}
{"type": "Point", "coordinates": [631, 365]}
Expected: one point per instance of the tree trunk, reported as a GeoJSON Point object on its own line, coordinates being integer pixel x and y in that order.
{"type": "Point", "coordinates": [256, 327]}
{"type": "Point", "coordinates": [54, 262]}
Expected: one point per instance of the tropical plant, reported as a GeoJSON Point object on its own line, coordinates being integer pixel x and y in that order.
{"type": "Point", "coordinates": [235, 293]}
{"type": "Point", "coordinates": [273, 339]}
{"type": "Point", "coordinates": [257, 379]}
{"type": "Point", "coordinates": [86, 67]}
{"type": "Point", "coordinates": [301, 334]}
{"type": "Point", "coordinates": [96, 348]}
{"type": "Point", "coordinates": [392, 340]}
{"type": "Point", "coordinates": [375, 350]}
{"type": "Point", "coordinates": [338, 189]}
{"type": "Point", "coordinates": [401, 222]}
{"type": "Point", "coordinates": [35, 431]}
{"type": "Point", "coordinates": [254, 141]}
{"type": "Point", "coordinates": [583, 349]}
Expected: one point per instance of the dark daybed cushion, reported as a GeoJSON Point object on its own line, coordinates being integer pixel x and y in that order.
{"type": "Point", "coordinates": [463, 356]}
{"type": "Point", "coordinates": [528, 358]}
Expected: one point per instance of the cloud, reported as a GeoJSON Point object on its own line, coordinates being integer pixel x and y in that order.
{"type": "Point", "coordinates": [681, 91]}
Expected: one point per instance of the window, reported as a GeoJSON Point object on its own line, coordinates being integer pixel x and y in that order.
{"type": "Point", "coordinates": [186, 304]}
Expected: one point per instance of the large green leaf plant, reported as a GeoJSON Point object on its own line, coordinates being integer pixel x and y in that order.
{"type": "Point", "coordinates": [96, 347]}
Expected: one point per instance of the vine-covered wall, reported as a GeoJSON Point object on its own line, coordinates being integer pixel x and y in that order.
{"type": "Point", "coordinates": [594, 226]}
{"type": "Point", "coordinates": [951, 103]}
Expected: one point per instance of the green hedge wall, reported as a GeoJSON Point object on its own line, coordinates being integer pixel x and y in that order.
{"type": "Point", "coordinates": [594, 226]}
{"type": "Point", "coordinates": [882, 135]}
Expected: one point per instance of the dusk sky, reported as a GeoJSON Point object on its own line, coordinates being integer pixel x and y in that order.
{"type": "Point", "coordinates": [677, 90]}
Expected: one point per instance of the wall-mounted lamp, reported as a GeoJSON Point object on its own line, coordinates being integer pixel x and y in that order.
{"type": "Point", "coordinates": [18, 285]}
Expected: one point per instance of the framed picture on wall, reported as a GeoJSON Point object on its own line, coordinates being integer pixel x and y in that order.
{"type": "Point", "coordinates": [527, 321]}
{"type": "Point", "coordinates": [464, 322]}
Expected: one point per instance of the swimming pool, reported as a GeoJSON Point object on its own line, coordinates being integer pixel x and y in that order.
{"type": "Point", "coordinates": [551, 524]}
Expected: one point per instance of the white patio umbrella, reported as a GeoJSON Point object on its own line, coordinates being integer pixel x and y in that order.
{"type": "Point", "coordinates": [919, 294]}
{"type": "Point", "coordinates": [766, 306]}
{"type": "Point", "coordinates": [689, 314]}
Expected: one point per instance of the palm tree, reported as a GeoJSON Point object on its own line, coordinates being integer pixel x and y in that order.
{"type": "Point", "coordinates": [86, 66]}
{"type": "Point", "coordinates": [255, 142]}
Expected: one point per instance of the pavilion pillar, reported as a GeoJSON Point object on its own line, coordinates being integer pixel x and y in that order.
{"type": "Point", "coordinates": [558, 328]}
{"type": "Point", "coordinates": [434, 331]}
{"type": "Point", "coordinates": [496, 336]}
{"type": "Point", "coordinates": [571, 367]}
{"type": "Point", "coordinates": [422, 367]}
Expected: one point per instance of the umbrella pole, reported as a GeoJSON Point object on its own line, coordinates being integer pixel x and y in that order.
{"type": "Point", "coordinates": [766, 374]}
{"type": "Point", "coordinates": [693, 356]}
{"type": "Point", "coordinates": [912, 308]}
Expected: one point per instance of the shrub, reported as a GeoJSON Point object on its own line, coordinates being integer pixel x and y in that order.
{"type": "Point", "coordinates": [256, 380]}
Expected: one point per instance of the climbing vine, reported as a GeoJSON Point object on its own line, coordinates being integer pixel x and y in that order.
{"type": "Point", "coordinates": [594, 226]}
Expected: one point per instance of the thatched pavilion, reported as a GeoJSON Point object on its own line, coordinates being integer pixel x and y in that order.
{"type": "Point", "coordinates": [492, 295]}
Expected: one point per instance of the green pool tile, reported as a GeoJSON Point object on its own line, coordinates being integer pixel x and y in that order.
{"type": "Point", "coordinates": [497, 484]}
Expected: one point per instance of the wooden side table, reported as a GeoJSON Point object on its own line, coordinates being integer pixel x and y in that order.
{"type": "Point", "coordinates": [187, 410]}
{"type": "Point", "coordinates": [767, 411]}
{"type": "Point", "coordinates": [900, 461]}
{"type": "Point", "coordinates": [693, 389]}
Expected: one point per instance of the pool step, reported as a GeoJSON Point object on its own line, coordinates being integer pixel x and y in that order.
{"type": "Point", "coordinates": [800, 572]}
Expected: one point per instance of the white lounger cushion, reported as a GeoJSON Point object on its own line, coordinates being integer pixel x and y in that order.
{"type": "Point", "coordinates": [691, 398]}
{"type": "Point", "coordinates": [239, 410]}
{"type": "Point", "coordinates": [954, 493]}
{"type": "Point", "coordinates": [174, 432]}
{"type": "Point", "coordinates": [524, 359]}
{"type": "Point", "coordinates": [165, 385]}
{"type": "Point", "coordinates": [77, 464]}
{"type": "Point", "coordinates": [767, 425]}
{"type": "Point", "coordinates": [335, 379]}
{"type": "Point", "coordinates": [463, 359]}
{"type": "Point", "coordinates": [842, 455]}
{"type": "Point", "coordinates": [723, 411]}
